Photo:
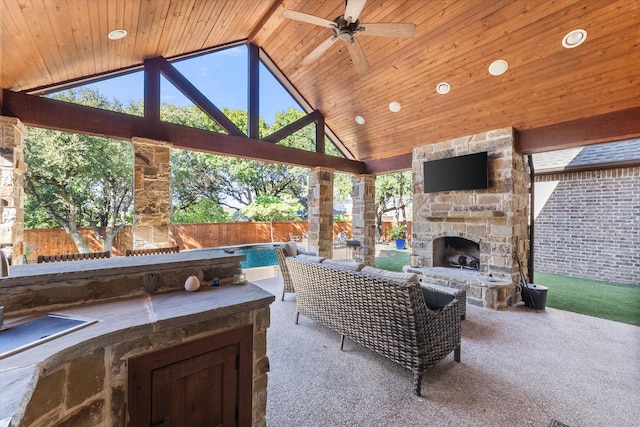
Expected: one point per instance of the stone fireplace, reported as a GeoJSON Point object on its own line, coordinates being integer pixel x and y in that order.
{"type": "Point", "coordinates": [467, 239]}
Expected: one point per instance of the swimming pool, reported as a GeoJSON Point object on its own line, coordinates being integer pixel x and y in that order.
{"type": "Point", "coordinates": [257, 255]}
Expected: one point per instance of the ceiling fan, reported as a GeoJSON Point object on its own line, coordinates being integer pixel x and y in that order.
{"type": "Point", "coordinates": [345, 27]}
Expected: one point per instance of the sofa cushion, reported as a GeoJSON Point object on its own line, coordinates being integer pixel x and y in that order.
{"type": "Point", "coordinates": [290, 249]}
{"type": "Point", "coordinates": [386, 274]}
{"type": "Point", "coordinates": [310, 258]}
{"type": "Point", "coordinates": [347, 265]}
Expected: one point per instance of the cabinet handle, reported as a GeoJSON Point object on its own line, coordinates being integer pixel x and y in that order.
{"type": "Point", "coordinates": [157, 422]}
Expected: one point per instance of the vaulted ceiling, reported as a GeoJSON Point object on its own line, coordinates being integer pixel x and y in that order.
{"type": "Point", "coordinates": [546, 86]}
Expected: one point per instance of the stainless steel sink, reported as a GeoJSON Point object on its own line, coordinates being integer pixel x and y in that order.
{"type": "Point", "coordinates": [34, 331]}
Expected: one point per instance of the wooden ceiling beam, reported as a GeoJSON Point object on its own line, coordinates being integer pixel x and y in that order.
{"type": "Point", "coordinates": [63, 116]}
{"type": "Point", "coordinates": [615, 126]}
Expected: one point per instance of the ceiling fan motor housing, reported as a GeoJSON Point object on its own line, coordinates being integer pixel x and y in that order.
{"type": "Point", "coordinates": [345, 29]}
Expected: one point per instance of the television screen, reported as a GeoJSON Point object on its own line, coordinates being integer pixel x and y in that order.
{"type": "Point", "coordinates": [468, 172]}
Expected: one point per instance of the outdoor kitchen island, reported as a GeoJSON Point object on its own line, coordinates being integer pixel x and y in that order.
{"type": "Point", "coordinates": [101, 374]}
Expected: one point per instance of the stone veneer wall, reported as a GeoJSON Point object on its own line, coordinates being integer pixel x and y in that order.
{"type": "Point", "coordinates": [496, 218]}
{"type": "Point", "coordinates": [590, 225]}
{"type": "Point", "coordinates": [91, 389]}
{"type": "Point", "coordinates": [320, 217]}
{"type": "Point", "coordinates": [364, 217]}
{"type": "Point", "coordinates": [151, 194]}
{"type": "Point", "coordinates": [12, 168]}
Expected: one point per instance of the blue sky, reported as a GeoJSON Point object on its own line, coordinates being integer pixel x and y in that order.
{"type": "Point", "coordinates": [221, 76]}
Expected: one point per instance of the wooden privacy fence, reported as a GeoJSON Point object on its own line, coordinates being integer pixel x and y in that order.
{"type": "Point", "coordinates": [188, 236]}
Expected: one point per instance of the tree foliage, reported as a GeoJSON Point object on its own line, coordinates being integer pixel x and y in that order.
{"type": "Point", "coordinates": [78, 180]}
{"type": "Point", "coordinates": [203, 211]}
{"type": "Point", "coordinates": [271, 208]}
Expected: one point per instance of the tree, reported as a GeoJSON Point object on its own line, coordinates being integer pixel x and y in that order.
{"type": "Point", "coordinates": [393, 193]}
{"type": "Point", "coordinates": [270, 208]}
{"type": "Point", "coordinates": [79, 180]}
{"type": "Point", "coordinates": [202, 211]}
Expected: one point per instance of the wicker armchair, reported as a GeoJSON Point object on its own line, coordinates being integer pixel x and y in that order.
{"type": "Point", "coordinates": [284, 271]}
{"type": "Point", "coordinates": [386, 315]}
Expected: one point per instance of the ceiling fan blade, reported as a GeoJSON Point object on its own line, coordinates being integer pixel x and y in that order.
{"type": "Point", "coordinates": [387, 29]}
{"type": "Point", "coordinates": [309, 19]}
{"type": "Point", "coordinates": [358, 57]}
{"type": "Point", "coordinates": [318, 51]}
{"type": "Point", "coordinates": [353, 9]}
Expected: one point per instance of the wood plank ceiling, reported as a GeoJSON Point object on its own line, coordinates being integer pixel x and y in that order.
{"type": "Point", "coordinates": [48, 42]}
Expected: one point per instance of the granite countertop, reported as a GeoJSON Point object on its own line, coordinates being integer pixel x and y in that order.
{"type": "Point", "coordinates": [120, 320]}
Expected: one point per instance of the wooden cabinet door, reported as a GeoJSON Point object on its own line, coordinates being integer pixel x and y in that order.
{"type": "Point", "coordinates": [206, 382]}
{"type": "Point", "coordinates": [200, 391]}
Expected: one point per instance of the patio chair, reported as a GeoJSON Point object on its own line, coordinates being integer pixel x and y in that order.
{"type": "Point", "coordinates": [152, 251]}
{"type": "Point", "coordinates": [341, 240]}
{"type": "Point", "coordinates": [73, 257]}
{"type": "Point", "coordinates": [293, 238]}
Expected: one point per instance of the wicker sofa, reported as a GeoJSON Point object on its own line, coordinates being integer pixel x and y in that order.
{"type": "Point", "coordinates": [388, 316]}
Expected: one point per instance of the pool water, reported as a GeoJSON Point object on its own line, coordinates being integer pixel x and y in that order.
{"type": "Point", "coordinates": [257, 255]}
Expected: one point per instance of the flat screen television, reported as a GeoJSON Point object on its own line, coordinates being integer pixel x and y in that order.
{"type": "Point", "coordinates": [468, 172]}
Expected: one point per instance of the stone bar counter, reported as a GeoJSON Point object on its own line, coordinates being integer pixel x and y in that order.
{"type": "Point", "coordinates": [140, 308]}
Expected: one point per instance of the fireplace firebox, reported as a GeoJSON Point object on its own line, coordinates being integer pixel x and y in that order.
{"type": "Point", "coordinates": [456, 252]}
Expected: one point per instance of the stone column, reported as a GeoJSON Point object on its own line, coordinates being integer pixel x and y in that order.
{"type": "Point", "coordinates": [364, 217]}
{"type": "Point", "coordinates": [12, 168]}
{"type": "Point", "coordinates": [321, 211]}
{"type": "Point", "coordinates": [151, 194]}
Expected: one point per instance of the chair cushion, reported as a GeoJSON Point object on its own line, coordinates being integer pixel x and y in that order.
{"type": "Point", "coordinates": [386, 274]}
{"type": "Point", "coordinates": [347, 265]}
{"type": "Point", "coordinates": [310, 258]}
{"type": "Point", "coordinates": [290, 249]}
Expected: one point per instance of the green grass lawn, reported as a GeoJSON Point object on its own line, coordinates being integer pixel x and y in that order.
{"type": "Point", "coordinates": [599, 299]}
{"type": "Point", "coordinates": [394, 262]}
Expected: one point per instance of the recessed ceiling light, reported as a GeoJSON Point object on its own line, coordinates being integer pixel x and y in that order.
{"type": "Point", "coordinates": [443, 88]}
{"type": "Point", "coordinates": [360, 120]}
{"type": "Point", "coordinates": [394, 107]}
{"type": "Point", "coordinates": [574, 38]}
{"type": "Point", "coordinates": [498, 67]}
{"type": "Point", "coordinates": [117, 34]}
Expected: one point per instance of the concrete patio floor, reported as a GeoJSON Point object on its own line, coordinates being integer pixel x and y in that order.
{"type": "Point", "coordinates": [519, 368]}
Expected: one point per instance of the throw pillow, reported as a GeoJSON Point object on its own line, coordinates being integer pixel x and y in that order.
{"type": "Point", "coordinates": [347, 265]}
{"type": "Point", "coordinates": [386, 274]}
{"type": "Point", "coordinates": [290, 249]}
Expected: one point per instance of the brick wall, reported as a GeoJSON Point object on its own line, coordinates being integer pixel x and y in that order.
{"type": "Point", "coordinates": [590, 225]}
